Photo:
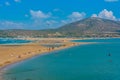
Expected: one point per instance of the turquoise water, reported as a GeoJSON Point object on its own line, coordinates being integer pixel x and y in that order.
{"type": "Point", "coordinates": [12, 41]}
{"type": "Point", "coordinates": [111, 40]}
{"type": "Point", "coordinates": [85, 62]}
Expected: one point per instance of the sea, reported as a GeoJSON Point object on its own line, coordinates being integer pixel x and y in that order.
{"type": "Point", "coordinates": [10, 41]}
{"type": "Point", "coordinates": [97, 61]}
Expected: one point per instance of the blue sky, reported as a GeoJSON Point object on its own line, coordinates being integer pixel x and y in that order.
{"type": "Point", "coordinates": [44, 14]}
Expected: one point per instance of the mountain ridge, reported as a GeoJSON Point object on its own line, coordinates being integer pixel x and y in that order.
{"type": "Point", "coordinates": [89, 27]}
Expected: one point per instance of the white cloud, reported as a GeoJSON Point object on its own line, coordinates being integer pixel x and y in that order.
{"type": "Point", "coordinates": [11, 25]}
{"type": "Point", "coordinates": [39, 14]}
{"type": "Point", "coordinates": [64, 21]}
{"type": "Point", "coordinates": [7, 3]}
{"type": "Point", "coordinates": [18, 1]}
{"type": "Point", "coordinates": [43, 20]}
{"type": "Point", "coordinates": [94, 15]}
{"type": "Point", "coordinates": [111, 0]}
{"type": "Point", "coordinates": [51, 22]}
{"type": "Point", "coordinates": [76, 16]}
{"type": "Point", "coordinates": [105, 14]}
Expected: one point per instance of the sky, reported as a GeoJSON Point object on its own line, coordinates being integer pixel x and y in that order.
{"type": "Point", "coordinates": [49, 14]}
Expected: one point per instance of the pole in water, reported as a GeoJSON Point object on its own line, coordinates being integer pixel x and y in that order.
{"type": "Point", "coordinates": [109, 54]}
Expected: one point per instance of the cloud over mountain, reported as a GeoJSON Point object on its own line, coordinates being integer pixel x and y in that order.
{"type": "Point", "coordinates": [105, 14]}
{"type": "Point", "coordinates": [76, 16]}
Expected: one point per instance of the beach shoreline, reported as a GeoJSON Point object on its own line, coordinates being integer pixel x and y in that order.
{"type": "Point", "coordinates": [29, 50]}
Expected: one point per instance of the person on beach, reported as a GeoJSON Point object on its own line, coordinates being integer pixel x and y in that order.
{"type": "Point", "coordinates": [19, 56]}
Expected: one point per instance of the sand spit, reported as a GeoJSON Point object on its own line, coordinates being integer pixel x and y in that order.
{"type": "Point", "coordinates": [10, 54]}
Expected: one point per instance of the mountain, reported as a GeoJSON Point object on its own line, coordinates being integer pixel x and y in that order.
{"type": "Point", "coordinates": [89, 27]}
{"type": "Point", "coordinates": [92, 26]}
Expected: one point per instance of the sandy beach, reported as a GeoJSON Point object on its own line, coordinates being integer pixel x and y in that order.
{"type": "Point", "coordinates": [10, 54]}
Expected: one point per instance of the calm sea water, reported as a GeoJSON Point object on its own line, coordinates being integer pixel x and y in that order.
{"type": "Point", "coordinates": [12, 41]}
{"type": "Point", "coordinates": [100, 61]}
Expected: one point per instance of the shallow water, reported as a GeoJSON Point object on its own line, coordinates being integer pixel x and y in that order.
{"type": "Point", "coordinates": [11, 41]}
{"type": "Point", "coordinates": [85, 62]}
